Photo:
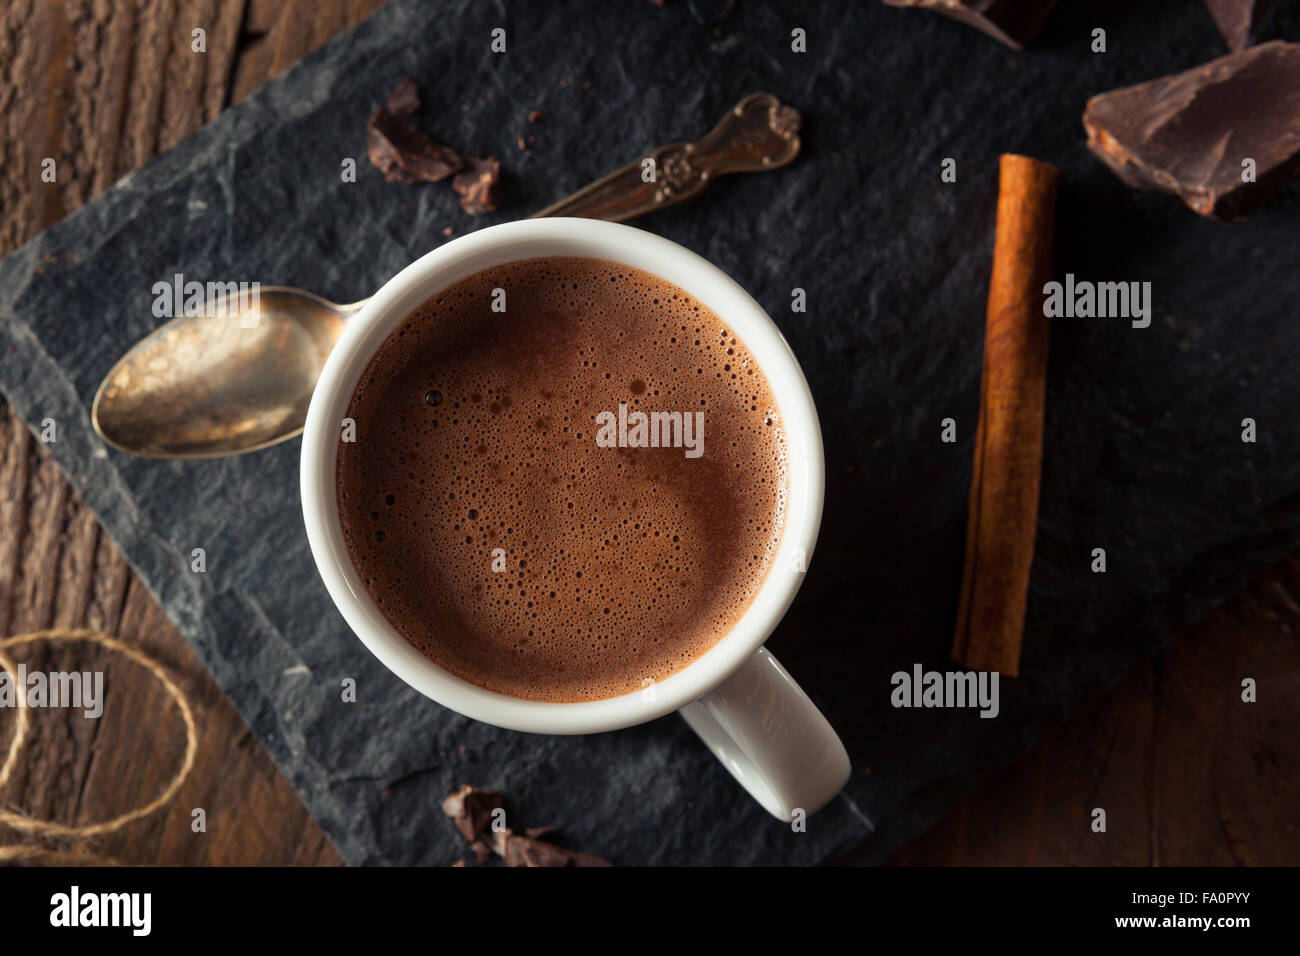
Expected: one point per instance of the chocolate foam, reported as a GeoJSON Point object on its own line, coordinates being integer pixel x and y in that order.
{"type": "Point", "coordinates": [476, 430]}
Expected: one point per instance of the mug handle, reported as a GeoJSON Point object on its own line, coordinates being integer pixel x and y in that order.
{"type": "Point", "coordinates": [771, 737]}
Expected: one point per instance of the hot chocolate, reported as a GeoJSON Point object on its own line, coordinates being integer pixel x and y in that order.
{"type": "Point", "coordinates": [568, 479]}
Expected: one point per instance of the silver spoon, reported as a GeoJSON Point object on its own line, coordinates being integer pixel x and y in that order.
{"type": "Point", "coordinates": [204, 387]}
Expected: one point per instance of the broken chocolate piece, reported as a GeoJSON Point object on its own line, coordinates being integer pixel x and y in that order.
{"type": "Point", "coordinates": [404, 154]}
{"type": "Point", "coordinates": [1191, 134]}
{"type": "Point", "coordinates": [479, 185]}
{"type": "Point", "coordinates": [471, 810]}
{"type": "Point", "coordinates": [1013, 22]}
{"type": "Point", "coordinates": [405, 99]}
{"type": "Point", "coordinates": [1239, 20]}
{"type": "Point", "coordinates": [482, 852]}
{"type": "Point", "coordinates": [517, 850]}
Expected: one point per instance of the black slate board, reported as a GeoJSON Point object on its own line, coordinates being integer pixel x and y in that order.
{"type": "Point", "coordinates": [1143, 449]}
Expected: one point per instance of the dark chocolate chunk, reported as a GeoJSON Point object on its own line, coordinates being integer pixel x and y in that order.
{"type": "Point", "coordinates": [1239, 20]}
{"type": "Point", "coordinates": [1191, 134]}
{"type": "Point", "coordinates": [404, 154]}
{"type": "Point", "coordinates": [471, 810]}
{"type": "Point", "coordinates": [1013, 22]}
{"type": "Point", "coordinates": [405, 99]}
{"type": "Point", "coordinates": [479, 185]}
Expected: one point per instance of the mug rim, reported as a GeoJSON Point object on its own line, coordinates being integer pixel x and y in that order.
{"type": "Point", "coordinates": [535, 238]}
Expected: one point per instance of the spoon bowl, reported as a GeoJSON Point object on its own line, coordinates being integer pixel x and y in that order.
{"type": "Point", "coordinates": [205, 386]}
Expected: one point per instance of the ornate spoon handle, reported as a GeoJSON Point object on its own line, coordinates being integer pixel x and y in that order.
{"type": "Point", "coordinates": [758, 133]}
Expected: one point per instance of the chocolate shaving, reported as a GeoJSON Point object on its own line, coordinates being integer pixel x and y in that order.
{"type": "Point", "coordinates": [536, 116]}
{"type": "Point", "coordinates": [517, 850]}
{"type": "Point", "coordinates": [1239, 20]}
{"type": "Point", "coordinates": [405, 99]}
{"type": "Point", "coordinates": [1190, 134]}
{"type": "Point", "coordinates": [471, 808]}
{"type": "Point", "coordinates": [479, 185]}
{"type": "Point", "coordinates": [1013, 22]}
{"type": "Point", "coordinates": [404, 154]}
{"type": "Point", "coordinates": [482, 852]}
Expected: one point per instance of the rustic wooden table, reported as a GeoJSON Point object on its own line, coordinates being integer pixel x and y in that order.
{"type": "Point", "coordinates": [1186, 772]}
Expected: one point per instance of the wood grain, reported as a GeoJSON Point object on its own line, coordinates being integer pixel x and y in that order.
{"type": "Point", "coordinates": [100, 88]}
{"type": "Point", "coordinates": [1187, 773]}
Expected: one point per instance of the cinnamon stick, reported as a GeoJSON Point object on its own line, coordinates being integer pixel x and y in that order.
{"type": "Point", "coordinates": [1009, 437]}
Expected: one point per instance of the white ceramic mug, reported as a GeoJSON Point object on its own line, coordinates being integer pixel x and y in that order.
{"type": "Point", "coordinates": [737, 697]}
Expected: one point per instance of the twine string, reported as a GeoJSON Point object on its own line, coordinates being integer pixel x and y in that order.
{"type": "Point", "coordinates": [48, 828]}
